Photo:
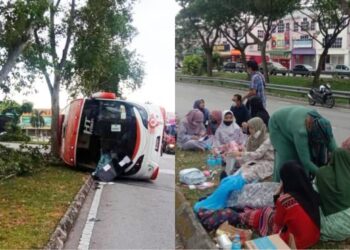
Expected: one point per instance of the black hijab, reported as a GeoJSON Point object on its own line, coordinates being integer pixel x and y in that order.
{"type": "Point", "coordinates": [297, 184]}
{"type": "Point", "coordinates": [257, 109]}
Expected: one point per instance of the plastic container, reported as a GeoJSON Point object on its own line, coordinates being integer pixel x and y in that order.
{"type": "Point", "coordinates": [230, 165]}
{"type": "Point", "coordinates": [236, 243]}
{"type": "Point", "coordinates": [211, 162]}
{"type": "Point", "coordinates": [218, 160]}
{"type": "Point", "coordinates": [224, 242]}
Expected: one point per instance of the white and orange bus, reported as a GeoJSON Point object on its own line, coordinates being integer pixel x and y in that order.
{"type": "Point", "coordinates": [103, 122]}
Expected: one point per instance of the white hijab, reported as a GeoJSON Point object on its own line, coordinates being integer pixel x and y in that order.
{"type": "Point", "coordinates": [225, 134]}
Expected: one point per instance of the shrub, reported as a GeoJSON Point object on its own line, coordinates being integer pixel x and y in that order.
{"type": "Point", "coordinates": [192, 65]}
{"type": "Point", "coordinates": [26, 160]}
{"type": "Point", "coordinates": [14, 133]}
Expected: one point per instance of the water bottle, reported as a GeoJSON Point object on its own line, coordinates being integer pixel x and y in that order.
{"type": "Point", "coordinates": [236, 243]}
{"type": "Point", "coordinates": [210, 162]}
{"type": "Point", "coordinates": [219, 161]}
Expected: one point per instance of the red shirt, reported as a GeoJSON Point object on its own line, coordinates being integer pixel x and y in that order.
{"type": "Point", "coordinates": [289, 213]}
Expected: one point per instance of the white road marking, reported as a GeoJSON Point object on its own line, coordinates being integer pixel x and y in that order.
{"type": "Point", "coordinates": [85, 239]}
{"type": "Point", "coordinates": [167, 171]}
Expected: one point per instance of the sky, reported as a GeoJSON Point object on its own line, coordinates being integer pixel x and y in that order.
{"type": "Point", "coordinates": [155, 43]}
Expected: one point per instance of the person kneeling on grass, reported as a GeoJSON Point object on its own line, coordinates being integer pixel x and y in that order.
{"type": "Point", "coordinates": [333, 184]}
{"type": "Point", "coordinates": [296, 213]}
{"type": "Point", "coordinates": [258, 150]}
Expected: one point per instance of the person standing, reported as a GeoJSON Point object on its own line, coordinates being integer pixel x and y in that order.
{"type": "Point", "coordinates": [239, 110]}
{"type": "Point", "coordinates": [257, 84]}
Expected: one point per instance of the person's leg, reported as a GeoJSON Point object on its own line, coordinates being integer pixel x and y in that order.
{"type": "Point", "coordinates": [193, 145]}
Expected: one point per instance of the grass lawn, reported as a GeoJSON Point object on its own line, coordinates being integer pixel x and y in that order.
{"type": "Point", "coordinates": [31, 206]}
{"type": "Point", "coordinates": [188, 159]}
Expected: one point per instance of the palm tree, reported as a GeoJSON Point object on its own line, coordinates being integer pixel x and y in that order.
{"type": "Point", "coordinates": [36, 120]}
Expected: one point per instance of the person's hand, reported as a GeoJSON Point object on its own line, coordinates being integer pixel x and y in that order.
{"type": "Point", "coordinates": [202, 134]}
{"type": "Point", "coordinates": [194, 137]}
{"type": "Point", "coordinates": [237, 154]}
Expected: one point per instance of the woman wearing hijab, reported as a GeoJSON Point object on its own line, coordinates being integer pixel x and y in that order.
{"type": "Point", "coordinates": [258, 159]}
{"type": "Point", "coordinates": [333, 182]}
{"type": "Point", "coordinates": [299, 133]}
{"type": "Point", "coordinates": [191, 130]}
{"type": "Point", "coordinates": [215, 119]}
{"type": "Point", "coordinates": [228, 131]}
{"type": "Point", "coordinates": [257, 164]}
{"type": "Point", "coordinates": [200, 104]}
{"type": "Point", "coordinates": [296, 213]}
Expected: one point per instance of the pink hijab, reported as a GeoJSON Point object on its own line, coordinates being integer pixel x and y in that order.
{"type": "Point", "coordinates": [192, 118]}
{"type": "Point", "coordinates": [217, 115]}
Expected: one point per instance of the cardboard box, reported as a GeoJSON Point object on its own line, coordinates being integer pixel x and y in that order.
{"type": "Point", "coordinates": [271, 242]}
{"type": "Point", "coordinates": [230, 231]}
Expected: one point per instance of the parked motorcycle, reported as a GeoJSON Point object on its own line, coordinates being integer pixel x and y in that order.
{"type": "Point", "coordinates": [322, 95]}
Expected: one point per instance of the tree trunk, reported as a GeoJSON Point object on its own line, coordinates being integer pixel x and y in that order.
{"type": "Point", "coordinates": [263, 55]}
{"type": "Point", "coordinates": [244, 61]}
{"type": "Point", "coordinates": [55, 109]}
{"type": "Point", "coordinates": [11, 60]}
{"type": "Point", "coordinates": [209, 63]}
{"type": "Point", "coordinates": [316, 79]}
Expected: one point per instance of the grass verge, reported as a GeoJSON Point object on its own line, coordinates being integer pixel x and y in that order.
{"type": "Point", "coordinates": [32, 205]}
{"type": "Point", "coordinates": [189, 159]}
{"type": "Point", "coordinates": [337, 84]}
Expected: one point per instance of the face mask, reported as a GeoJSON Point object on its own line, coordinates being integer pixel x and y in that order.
{"type": "Point", "coordinates": [214, 122]}
{"type": "Point", "coordinates": [257, 134]}
{"type": "Point", "coordinates": [234, 104]}
{"type": "Point", "coordinates": [228, 123]}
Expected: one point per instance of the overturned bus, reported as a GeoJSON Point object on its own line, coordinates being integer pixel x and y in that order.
{"type": "Point", "coordinates": [102, 123]}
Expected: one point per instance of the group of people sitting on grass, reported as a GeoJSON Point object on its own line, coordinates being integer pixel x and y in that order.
{"type": "Point", "coordinates": [289, 175]}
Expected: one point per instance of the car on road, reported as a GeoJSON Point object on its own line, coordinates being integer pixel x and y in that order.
{"type": "Point", "coordinates": [233, 67]}
{"type": "Point", "coordinates": [341, 68]}
{"type": "Point", "coordinates": [303, 70]}
{"type": "Point", "coordinates": [104, 123]}
{"type": "Point", "coordinates": [274, 68]}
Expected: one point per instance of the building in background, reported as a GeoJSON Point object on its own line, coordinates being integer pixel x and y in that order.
{"type": "Point", "coordinates": [291, 44]}
{"type": "Point", "coordinates": [25, 123]}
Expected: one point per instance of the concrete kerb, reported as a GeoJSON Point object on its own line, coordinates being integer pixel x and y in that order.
{"type": "Point", "coordinates": [191, 232]}
{"type": "Point", "coordinates": [59, 236]}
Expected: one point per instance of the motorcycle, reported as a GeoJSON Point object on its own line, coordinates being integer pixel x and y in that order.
{"type": "Point", "coordinates": [322, 95]}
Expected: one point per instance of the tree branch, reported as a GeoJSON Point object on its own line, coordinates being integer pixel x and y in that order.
{"type": "Point", "coordinates": [52, 36]}
{"type": "Point", "coordinates": [57, 4]}
{"type": "Point", "coordinates": [41, 67]}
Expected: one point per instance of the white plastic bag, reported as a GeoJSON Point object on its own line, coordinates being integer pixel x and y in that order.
{"type": "Point", "coordinates": [192, 176]}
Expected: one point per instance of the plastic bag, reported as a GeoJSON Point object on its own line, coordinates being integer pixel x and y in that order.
{"type": "Point", "coordinates": [192, 176]}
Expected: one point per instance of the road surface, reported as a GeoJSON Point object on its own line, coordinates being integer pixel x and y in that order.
{"type": "Point", "coordinates": [217, 98]}
{"type": "Point", "coordinates": [130, 214]}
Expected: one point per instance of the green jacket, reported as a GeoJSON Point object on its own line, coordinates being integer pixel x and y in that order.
{"type": "Point", "coordinates": [290, 122]}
